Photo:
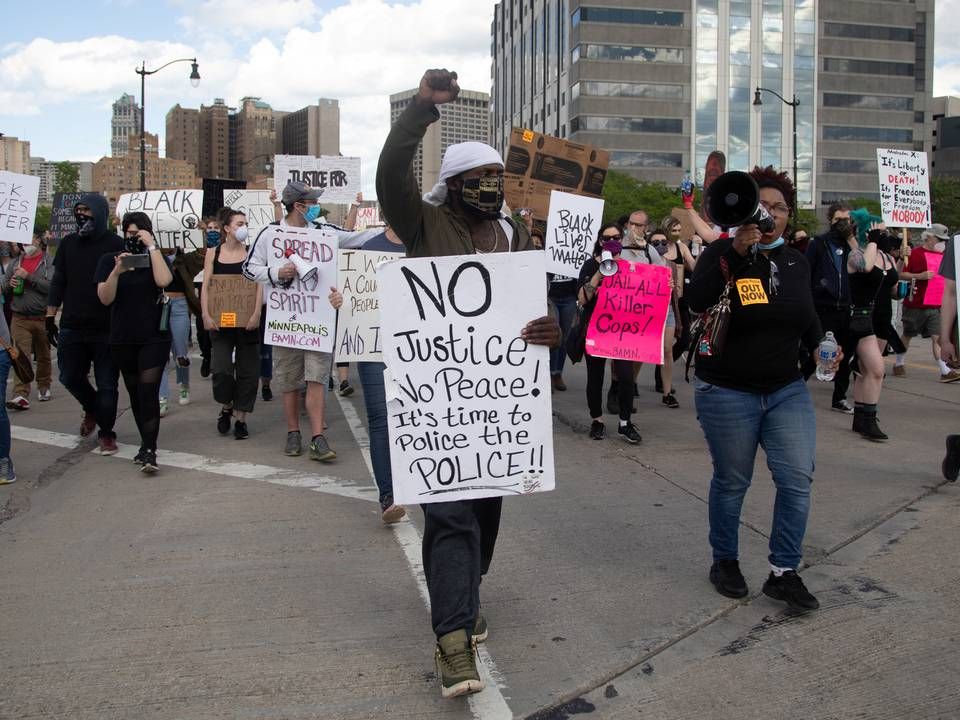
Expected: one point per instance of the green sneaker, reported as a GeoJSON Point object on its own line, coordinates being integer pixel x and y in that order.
{"type": "Point", "coordinates": [480, 628]}
{"type": "Point", "coordinates": [456, 660]}
{"type": "Point", "coordinates": [320, 450]}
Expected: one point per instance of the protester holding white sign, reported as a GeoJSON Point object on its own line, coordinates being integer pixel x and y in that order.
{"type": "Point", "coordinates": [302, 330]}
{"type": "Point", "coordinates": [175, 214]}
{"type": "Point", "coordinates": [461, 215]}
{"type": "Point", "coordinates": [572, 226]}
{"type": "Point", "coordinates": [336, 179]}
{"type": "Point", "coordinates": [256, 205]}
{"type": "Point", "coordinates": [904, 187]}
{"type": "Point", "coordinates": [18, 206]}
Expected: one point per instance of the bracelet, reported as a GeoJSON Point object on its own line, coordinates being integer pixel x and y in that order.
{"type": "Point", "coordinates": [152, 248]}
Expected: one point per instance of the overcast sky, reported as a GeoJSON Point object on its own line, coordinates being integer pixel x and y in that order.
{"type": "Point", "coordinates": [61, 68]}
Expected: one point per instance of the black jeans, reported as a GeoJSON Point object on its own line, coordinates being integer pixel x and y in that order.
{"type": "Point", "coordinates": [142, 367]}
{"type": "Point", "coordinates": [837, 321]}
{"type": "Point", "coordinates": [458, 542]}
{"type": "Point", "coordinates": [203, 336]}
{"type": "Point", "coordinates": [236, 367]}
{"type": "Point", "coordinates": [595, 370]}
{"type": "Point", "coordinates": [77, 350]}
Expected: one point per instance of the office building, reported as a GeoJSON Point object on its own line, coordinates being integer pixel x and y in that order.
{"type": "Point", "coordinates": [14, 155]}
{"type": "Point", "coordinates": [312, 130]}
{"type": "Point", "coordinates": [214, 140]}
{"type": "Point", "coordinates": [945, 139]}
{"type": "Point", "coordinates": [661, 86]}
{"type": "Point", "coordinates": [115, 176]}
{"type": "Point", "coordinates": [125, 121]}
{"type": "Point", "coordinates": [46, 170]}
{"type": "Point", "coordinates": [256, 139]}
{"type": "Point", "coordinates": [182, 138]}
{"type": "Point", "coordinates": [463, 120]}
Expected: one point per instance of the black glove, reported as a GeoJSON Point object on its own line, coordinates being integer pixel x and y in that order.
{"type": "Point", "coordinates": [53, 333]}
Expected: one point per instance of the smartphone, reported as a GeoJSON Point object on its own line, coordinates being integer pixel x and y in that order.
{"type": "Point", "coordinates": [135, 261]}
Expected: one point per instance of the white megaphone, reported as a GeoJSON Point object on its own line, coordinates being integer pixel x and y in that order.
{"type": "Point", "coordinates": [608, 266]}
{"type": "Point", "coordinates": [305, 271]}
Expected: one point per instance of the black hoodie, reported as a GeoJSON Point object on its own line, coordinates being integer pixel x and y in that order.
{"type": "Point", "coordinates": [74, 266]}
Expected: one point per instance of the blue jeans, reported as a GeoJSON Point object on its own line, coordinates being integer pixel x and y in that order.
{"type": "Point", "coordinates": [4, 418]}
{"type": "Point", "coordinates": [77, 350]}
{"type": "Point", "coordinates": [179, 343]}
{"type": "Point", "coordinates": [374, 397]}
{"type": "Point", "coordinates": [735, 423]}
{"type": "Point", "coordinates": [566, 311]}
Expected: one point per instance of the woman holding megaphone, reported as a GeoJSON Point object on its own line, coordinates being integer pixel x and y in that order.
{"type": "Point", "coordinates": [235, 340]}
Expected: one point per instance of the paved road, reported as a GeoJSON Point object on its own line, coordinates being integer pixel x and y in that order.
{"type": "Point", "coordinates": [239, 583]}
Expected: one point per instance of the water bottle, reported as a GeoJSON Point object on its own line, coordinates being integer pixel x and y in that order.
{"type": "Point", "coordinates": [826, 354]}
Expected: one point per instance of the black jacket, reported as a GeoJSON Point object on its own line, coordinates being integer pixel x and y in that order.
{"type": "Point", "coordinates": [74, 266]}
{"type": "Point", "coordinates": [830, 285]}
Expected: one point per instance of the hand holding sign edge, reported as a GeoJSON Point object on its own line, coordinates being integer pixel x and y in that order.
{"type": "Point", "coordinates": [542, 331]}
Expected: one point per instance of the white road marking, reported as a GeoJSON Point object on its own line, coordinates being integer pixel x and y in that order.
{"type": "Point", "coordinates": [490, 703]}
{"type": "Point", "coordinates": [189, 461]}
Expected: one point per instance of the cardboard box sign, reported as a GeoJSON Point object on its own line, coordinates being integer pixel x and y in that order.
{"type": "Point", "coordinates": [231, 299]}
{"type": "Point", "coordinates": [538, 164]}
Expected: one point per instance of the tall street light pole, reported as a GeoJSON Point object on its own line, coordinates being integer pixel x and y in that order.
{"type": "Point", "coordinates": [757, 102]}
{"type": "Point", "coordinates": [143, 72]}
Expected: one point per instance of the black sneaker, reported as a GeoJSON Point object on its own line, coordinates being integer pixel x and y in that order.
{"type": "Point", "coordinates": [670, 400]}
{"type": "Point", "coordinates": [629, 432]}
{"type": "Point", "coordinates": [138, 458]}
{"type": "Point", "coordinates": [727, 579]}
{"type": "Point", "coordinates": [951, 461]}
{"type": "Point", "coordinates": [266, 393]}
{"type": "Point", "coordinates": [149, 464]}
{"type": "Point", "coordinates": [240, 431]}
{"type": "Point", "coordinates": [598, 431]}
{"type": "Point", "coordinates": [790, 588]}
{"type": "Point", "coordinates": [223, 422]}
{"type": "Point", "coordinates": [346, 389]}
{"type": "Point", "coordinates": [205, 367]}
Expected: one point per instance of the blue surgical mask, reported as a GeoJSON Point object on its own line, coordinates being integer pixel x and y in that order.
{"type": "Point", "coordinates": [213, 238]}
{"type": "Point", "coordinates": [312, 213]}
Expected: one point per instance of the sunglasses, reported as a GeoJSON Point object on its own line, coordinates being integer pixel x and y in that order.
{"type": "Point", "coordinates": [618, 236]}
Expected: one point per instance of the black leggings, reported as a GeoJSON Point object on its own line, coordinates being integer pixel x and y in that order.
{"type": "Point", "coordinates": [624, 372]}
{"type": "Point", "coordinates": [142, 367]}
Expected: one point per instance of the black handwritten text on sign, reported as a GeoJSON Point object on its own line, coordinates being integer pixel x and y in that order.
{"type": "Point", "coordinates": [358, 323]}
{"type": "Point", "coordinates": [470, 405]}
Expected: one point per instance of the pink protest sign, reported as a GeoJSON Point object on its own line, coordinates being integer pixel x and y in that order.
{"type": "Point", "coordinates": [630, 314]}
{"type": "Point", "coordinates": [935, 285]}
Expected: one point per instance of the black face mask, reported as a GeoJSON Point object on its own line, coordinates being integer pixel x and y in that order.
{"type": "Point", "coordinates": [85, 224]}
{"type": "Point", "coordinates": [841, 228]}
{"type": "Point", "coordinates": [483, 195]}
{"type": "Point", "coordinates": [134, 245]}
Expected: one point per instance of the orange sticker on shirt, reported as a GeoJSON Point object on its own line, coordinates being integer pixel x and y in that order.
{"type": "Point", "coordinates": [751, 292]}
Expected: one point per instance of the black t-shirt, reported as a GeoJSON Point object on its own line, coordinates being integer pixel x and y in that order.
{"type": "Point", "coordinates": [762, 347]}
{"type": "Point", "coordinates": [135, 312]}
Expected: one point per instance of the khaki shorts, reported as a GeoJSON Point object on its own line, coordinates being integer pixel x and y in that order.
{"type": "Point", "coordinates": [921, 321]}
{"type": "Point", "coordinates": [293, 367]}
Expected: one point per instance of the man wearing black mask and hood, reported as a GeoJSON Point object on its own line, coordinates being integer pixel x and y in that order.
{"type": "Point", "coordinates": [827, 255]}
{"type": "Point", "coordinates": [85, 322]}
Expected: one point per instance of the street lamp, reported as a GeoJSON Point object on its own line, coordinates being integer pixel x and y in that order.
{"type": "Point", "coordinates": [757, 102]}
{"type": "Point", "coordinates": [143, 72]}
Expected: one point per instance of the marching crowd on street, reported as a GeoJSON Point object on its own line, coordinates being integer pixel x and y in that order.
{"type": "Point", "coordinates": [121, 306]}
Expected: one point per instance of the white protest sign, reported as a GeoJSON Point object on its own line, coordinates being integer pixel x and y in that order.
{"type": "Point", "coordinates": [338, 177]}
{"type": "Point", "coordinates": [572, 225]}
{"type": "Point", "coordinates": [367, 217]}
{"type": "Point", "coordinates": [358, 323]}
{"type": "Point", "coordinates": [18, 206]}
{"type": "Point", "coordinates": [468, 400]}
{"type": "Point", "coordinates": [300, 316]}
{"type": "Point", "coordinates": [904, 187]}
{"type": "Point", "coordinates": [175, 215]}
{"type": "Point", "coordinates": [255, 204]}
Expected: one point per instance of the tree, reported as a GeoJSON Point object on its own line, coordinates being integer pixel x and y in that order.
{"type": "Point", "coordinates": [945, 201]}
{"type": "Point", "coordinates": [624, 194]}
{"type": "Point", "coordinates": [66, 177]}
{"type": "Point", "coordinates": [41, 221]}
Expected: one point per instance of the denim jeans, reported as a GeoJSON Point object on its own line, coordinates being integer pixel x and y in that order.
{"type": "Point", "coordinates": [566, 311]}
{"type": "Point", "coordinates": [179, 343]}
{"type": "Point", "coordinates": [77, 350]}
{"type": "Point", "coordinates": [735, 424]}
{"type": "Point", "coordinates": [371, 379]}
{"type": "Point", "coordinates": [4, 418]}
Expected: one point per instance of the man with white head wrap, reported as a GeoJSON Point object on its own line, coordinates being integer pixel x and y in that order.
{"type": "Point", "coordinates": [461, 215]}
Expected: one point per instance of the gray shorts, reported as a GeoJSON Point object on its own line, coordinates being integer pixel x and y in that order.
{"type": "Point", "coordinates": [921, 321]}
{"type": "Point", "coordinates": [293, 367]}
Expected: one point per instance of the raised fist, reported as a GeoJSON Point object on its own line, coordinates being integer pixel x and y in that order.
{"type": "Point", "coordinates": [438, 87]}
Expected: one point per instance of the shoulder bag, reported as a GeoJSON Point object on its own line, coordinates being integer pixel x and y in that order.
{"type": "Point", "coordinates": [708, 331]}
{"type": "Point", "coordinates": [19, 361]}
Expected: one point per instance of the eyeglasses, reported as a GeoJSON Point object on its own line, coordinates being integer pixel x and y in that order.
{"type": "Point", "coordinates": [636, 224]}
{"type": "Point", "coordinates": [779, 208]}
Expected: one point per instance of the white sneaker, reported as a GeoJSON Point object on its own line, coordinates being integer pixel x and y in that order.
{"type": "Point", "coordinates": [184, 395]}
{"type": "Point", "coordinates": [43, 395]}
{"type": "Point", "coordinates": [164, 407]}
